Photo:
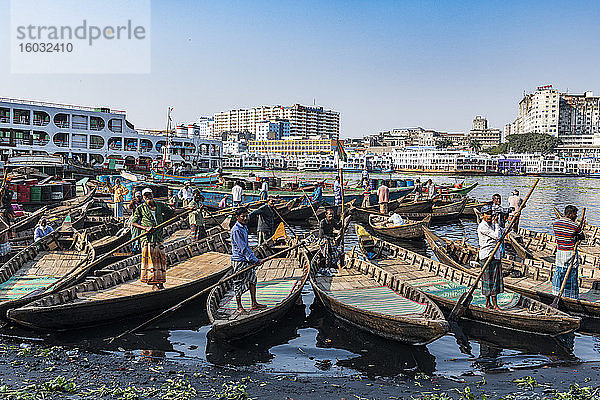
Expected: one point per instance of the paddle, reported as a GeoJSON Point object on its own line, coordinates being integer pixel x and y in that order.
{"type": "Point", "coordinates": [203, 291]}
{"type": "Point", "coordinates": [24, 221]}
{"type": "Point", "coordinates": [465, 299]}
{"type": "Point", "coordinates": [571, 263]}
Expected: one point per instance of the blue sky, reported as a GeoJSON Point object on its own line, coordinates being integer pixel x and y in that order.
{"type": "Point", "coordinates": [383, 65]}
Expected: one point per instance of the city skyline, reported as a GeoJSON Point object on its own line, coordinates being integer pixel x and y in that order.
{"type": "Point", "coordinates": [381, 66]}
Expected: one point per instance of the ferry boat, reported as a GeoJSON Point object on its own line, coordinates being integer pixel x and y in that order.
{"type": "Point", "coordinates": [209, 178]}
{"type": "Point", "coordinates": [97, 136]}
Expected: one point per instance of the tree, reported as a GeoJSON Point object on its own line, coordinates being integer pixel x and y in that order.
{"type": "Point", "coordinates": [475, 145]}
{"type": "Point", "coordinates": [526, 143]}
{"type": "Point", "coordinates": [444, 143]}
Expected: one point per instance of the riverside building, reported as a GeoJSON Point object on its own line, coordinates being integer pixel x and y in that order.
{"type": "Point", "coordinates": [303, 120]}
{"type": "Point", "coordinates": [487, 137]}
{"type": "Point", "coordinates": [97, 135]}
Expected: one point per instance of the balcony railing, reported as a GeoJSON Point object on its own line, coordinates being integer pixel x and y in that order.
{"type": "Point", "coordinates": [5, 120]}
{"type": "Point", "coordinates": [62, 124]}
{"type": "Point", "coordinates": [40, 122]}
{"type": "Point", "coordinates": [61, 143]}
{"type": "Point", "coordinates": [21, 120]}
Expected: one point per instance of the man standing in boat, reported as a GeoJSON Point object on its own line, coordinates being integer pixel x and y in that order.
{"type": "Point", "coordinates": [383, 197]}
{"type": "Point", "coordinates": [186, 194]}
{"type": "Point", "coordinates": [317, 196]}
{"type": "Point", "coordinates": [514, 202]}
{"type": "Point", "coordinates": [337, 191]}
{"type": "Point", "coordinates": [264, 190]}
{"type": "Point", "coordinates": [329, 239]}
{"type": "Point", "coordinates": [266, 220]}
{"type": "Point", "coordinates": [5, 219]}
{"type": "Point", "coordinates": [196, 217]}
{"type": "Point", "coordinates": [119, 192]}
{"type": "Point", "coordinates": [567, 233]}
{"type": "Point", "coordinates": [366, 193]}
{"type": "Point", "coordinates": [237, 194]}
{"type": "Point", "coordinates": [242, 257]}
{"type": "Point", "coordinates": [154, 260]}
{"type": "Point", "coordinates": [489, 233]}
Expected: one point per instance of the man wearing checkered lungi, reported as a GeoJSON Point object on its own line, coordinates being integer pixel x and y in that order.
{"type": "Point", "coordinates": [243, 257]}
{"type": "Point", "coordinates": [567, 233]}
{"type": "Point", "coordinates": [489, 233]}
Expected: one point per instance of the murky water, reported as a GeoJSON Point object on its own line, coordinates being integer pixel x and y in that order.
{"type": "Point", "coordinates": [311, 341]}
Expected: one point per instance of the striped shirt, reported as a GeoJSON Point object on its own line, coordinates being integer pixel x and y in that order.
{"type": "Point", "coordinates": [566, 232]}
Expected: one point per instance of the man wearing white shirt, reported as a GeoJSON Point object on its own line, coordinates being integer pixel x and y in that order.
{"type": "Point", "coordinates": [186, 194]}
{"type": "Point", "coordinates": [237, 193]}
{"type": "Point", "coordinates": [489, 233]}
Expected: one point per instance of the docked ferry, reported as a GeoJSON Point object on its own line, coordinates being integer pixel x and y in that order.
{"type": "Point", "coordinates": [99, 136]}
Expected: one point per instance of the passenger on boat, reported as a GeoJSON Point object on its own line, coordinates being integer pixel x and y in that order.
{"type": "Point", "coordinates": [5, 219]}
{"type": "Point", "coordinates": [567, 233]}
{"type": "Point", "coordinates": [383, 197]}
{"type": "Point", "coordinates": [431, 189]}
{"type": "Point", "coordinates": [172, 199]}
{"type": "Point", "coordinates": [317, 196]}
{"type": "Point", "coordinates": [366, 193]}
{"type": "Point", "coordinates": [329, 240]}
{"type": "Point", "coordinates": [196, 218]}
{"type": "Point", "coordinates": [418, 191]}
{"type": "Point", "coordinates": [242, 257]}
{"type": "Point", "coordinates": [119, 192]}
{"type": "Point", "coordinates": [514, 202]}
{"type": "Point", "coordinates": [237, 193]}
{"type": "Point", "coordinates": [42, 230]}
{"type": "Point", "coordinates": [137, 201]}
{"type": "Point", "coordinates": [186, 194]}
{"type": "Point", "coordinates": [337, 191]}
{"type": "Point", "coordinates": [223, 202]}
{"type": "Point", "coordinates": [154, 260]}
{"type": "Point", "coordinates": [266, 220]}
{"type": "Point", "coordinates": [489, 233]}
{"type": "Point", "coordinates": [264, 190]}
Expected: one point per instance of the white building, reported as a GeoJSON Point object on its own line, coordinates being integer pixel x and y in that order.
{"type": "Point", "coordinates": [95, 135]}
{"type": "Point", "coordinates": [234, 147]}
{"type": "Point", "coordinates": [487, 137]}
{"type": "Point", "coordinates": [304, 120]}
{"type": "Point", "coordinates": [206, 125]}
{"type": "Point", "coordinates": [273, 130]}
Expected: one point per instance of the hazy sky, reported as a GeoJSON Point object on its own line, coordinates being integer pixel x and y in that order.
{"type": "Point", "coordinates": [382, 65]}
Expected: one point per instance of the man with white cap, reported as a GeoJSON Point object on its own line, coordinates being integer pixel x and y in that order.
{"type": "Point", "coordinates": [514, 202]}
{"type": "Point", "coordinates": [154, 260]}
{"type": "Point", "coordinates": [186, 194]}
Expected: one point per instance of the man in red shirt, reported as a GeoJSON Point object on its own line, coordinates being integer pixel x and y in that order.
{"type": "Point", "coordinates": [567, 233]}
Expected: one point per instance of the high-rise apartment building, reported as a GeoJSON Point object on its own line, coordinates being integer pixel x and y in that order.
{"type": "Point", "coordinates": [487, 137]}
{"type": "Point", "coordinates": [573, 118]}
{"type": "Point", "coordinates": [303, 120]}
{"type": "Point", "coordinates": [272, 130]}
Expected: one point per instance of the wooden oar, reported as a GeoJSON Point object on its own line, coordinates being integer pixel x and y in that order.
{"type": "Point", "coordinates": [571, 263]}
{"type": "Point", "coordinates": [463, 302]}
{"type": "Point", "coordinates": [203, 291]}
{"type": "Point", "coordinates": [24, 221]}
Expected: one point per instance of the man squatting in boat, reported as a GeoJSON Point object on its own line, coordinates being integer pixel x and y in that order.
{"type": "Point", "coordinates": [242, 257]}
{"type": "Point", "coordinates": [489, 233]}
{"type": "Point", "coordinates": [567, 232]}
{"type": "Point", "coordinates": [154, 260]}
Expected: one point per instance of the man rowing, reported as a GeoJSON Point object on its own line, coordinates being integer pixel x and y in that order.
{"type": "Point", "coordinates": [489, 233]}
{"type": "Point", "coordinates": [567, 233]}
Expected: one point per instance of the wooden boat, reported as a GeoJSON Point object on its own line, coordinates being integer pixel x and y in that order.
{"type": "Point", "coordinates": [300, 213]}
{"type": "Point", "coordinates": [117, 292]}
{"type": "Point", "coordinates": [408, 231]}
{"type": "Point", "coordinates": [48, 265]}
{"type": "Point", "coordinates": [280, 283]}
{"type": "Point", "coordinates": [472, 207]}
{"type": "Point", "coordinates": [373, 300]}
{"type": "Point", "coordinates": [542, 246]}
{"type": "Point", "coordinates": [441, 213]}
{"type": "Point", "coordinates": [207, 178]}
{"type": "Point", "coordinates": [463, 190]}
{"type": "Point", "coordinates": [445, 282]}
{"type": "Point", "coordinates": [532, 278]}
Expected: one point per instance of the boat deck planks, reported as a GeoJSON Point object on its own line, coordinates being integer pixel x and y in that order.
{"type": "Point", "coordinates": [182, 273]}
{"type": "Point", "coordinates": [57, 263]}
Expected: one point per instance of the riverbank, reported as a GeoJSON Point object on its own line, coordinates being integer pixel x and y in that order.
{"type": "Point", "coordinates": [33, 371]}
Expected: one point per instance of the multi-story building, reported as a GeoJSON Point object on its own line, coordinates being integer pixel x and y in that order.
{"type": "Point", "coordinates": [304, 120]}
{"type": "Point", "coordinates": [292, 147]}
{"type": "Point", "coordinates": [205, 126]}
{"type": "Point", "coordinates": [487, 137]}
{"type": "Point", "coordinates": [273, 130]}
{"type": "Point", "coordinates": [95, 135]}
{"type": "Point", "coordinates": [572, 118]}
{"type": "Point", "coordinates": [234, 147]}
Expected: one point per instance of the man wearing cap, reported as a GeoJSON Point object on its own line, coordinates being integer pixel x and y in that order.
{"type": "Point", "coordinates": [119, 192]}
{"type": "Point", "coordinates": [489, 233]}
{"type": "Point", "coordinates": [196, 218]}
{"type": "Point", "coordinates": [567, 233]}
{"type": "Point", "coordinates": [241, 258]}
{"type": "Point", "coordinates": [514, 202]}
{"type": "Point", "coordinates": [154, 260]}
{"type": "Point", "coordinates": [186, 194]}
{"type": "Point", "coordinates": [42, 230]}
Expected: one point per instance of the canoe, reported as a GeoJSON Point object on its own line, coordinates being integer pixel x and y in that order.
{"type": "Point", "coordinates": [118, 294]}
{"type": "Point", "coordinates": [532, 278]}
{"type": "Point", "coordinates": [441, 213]}
{"type": "Point", "coordinates": [279, 286]}
{"type": "Point", "coordinates": [47, 265]}
{"type": "Point", "coordinates": [464, 190]}
{"type": "Point", "coordinates": [542, 246]}
{"type": "Point", "coordinates": [472, 207]}
{"type": "Point", "coordinates": [300, 213]}
{"type": "Point", "coordinates": [408, 231]}
{"type": "Point", "coordinates": [445, 282]}
{"type": "Point", "coordinates": [364, 295]}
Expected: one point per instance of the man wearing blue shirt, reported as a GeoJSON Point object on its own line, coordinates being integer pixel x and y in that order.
{"type": "Point", "coordinates": [317, 196]}
{"type": "Point", "coordinates": [242, 257]}
{"type": "Point", "coordinates": [42, 230]}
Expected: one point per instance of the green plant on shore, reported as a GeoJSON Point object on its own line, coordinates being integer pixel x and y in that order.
{"type": "Point", "coordinates": [233, 391]}
{"type": "Point", "coordinates": [527, 382]}
{"type": "Point", "coordinates": [35, 391]}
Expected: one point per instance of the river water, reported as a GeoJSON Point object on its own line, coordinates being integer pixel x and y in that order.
{"type": "Point", "coordinates": [311, 341]}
